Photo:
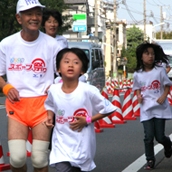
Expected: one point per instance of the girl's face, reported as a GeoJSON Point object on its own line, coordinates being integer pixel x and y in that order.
{"type": "Point", "coordinates": [70, 66]}
{"type": "Point", "coordinates": [148, 57]}
{"type": "Point", "coordinates": [51, 26]}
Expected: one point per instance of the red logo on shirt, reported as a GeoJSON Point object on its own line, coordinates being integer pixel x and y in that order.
{"type": "Point", "coordinates": [80, 112]}
{"type": "Point", "coordinates": [155, 85]}
{"type": "Point", "coordinates": [38, 66]}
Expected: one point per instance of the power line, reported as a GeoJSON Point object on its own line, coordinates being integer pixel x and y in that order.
{"type": "Point", "coordinates": [129, 12]}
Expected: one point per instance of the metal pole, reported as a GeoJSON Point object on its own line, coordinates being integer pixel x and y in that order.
{"type": "Point", "coordinates": [95, 18]}
{"type": "Point", "coordinates": [161, 22]}
{"type": "Point", "coordinates": [144, 12]}
{"type": "Point", "coordinates": [115, 70]}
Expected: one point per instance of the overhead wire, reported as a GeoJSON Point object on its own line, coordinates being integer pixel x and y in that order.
{"type": "Point", "coordinates": [129, 12]}
{"type": "Point", "coordinates": [155, 17]}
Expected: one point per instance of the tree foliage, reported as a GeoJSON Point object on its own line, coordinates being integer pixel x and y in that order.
{"type": "Point", "coordinates": [165, 35]}
{"type": "Point", "coordinates": [134, 37]}
{"type": "Point", "coordinates": [8, 23]}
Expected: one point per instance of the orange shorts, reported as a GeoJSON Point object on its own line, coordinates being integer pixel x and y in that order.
{"type": "Point", "coordinates": [28, 111]}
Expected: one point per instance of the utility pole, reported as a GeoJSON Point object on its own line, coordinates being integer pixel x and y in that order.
{"type": "Point", "coordinates": [115, 67]}
{"type": "Point", "coordinates": [161, 22]}
{"type": "Point", "coordinates": [95, 18]}
{"type": "Point", "coordinates": [144, 13]}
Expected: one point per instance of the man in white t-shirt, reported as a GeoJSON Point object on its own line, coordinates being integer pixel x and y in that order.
{"type": "Point", "coordinates": [28, 60]}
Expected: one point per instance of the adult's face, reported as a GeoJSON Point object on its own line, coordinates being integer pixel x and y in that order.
{"type": "Point", "coordinates": [30, 19]}
{"type": "Point", "coordinates": [51, 26]}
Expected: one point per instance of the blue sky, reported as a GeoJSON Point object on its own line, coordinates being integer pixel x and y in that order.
{"type": "Point", "coordinates": [133, 11]}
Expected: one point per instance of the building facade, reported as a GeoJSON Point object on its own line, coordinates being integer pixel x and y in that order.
{"type": "Point", "coordinates": [104, 19]}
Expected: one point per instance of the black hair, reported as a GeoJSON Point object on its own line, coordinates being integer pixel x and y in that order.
{"type": "Point", "coordinates": [78, 52]}
{"type": "Point", "coordinates": [160, 56]}
{"type": "Point", "coordinates": [54, 13]}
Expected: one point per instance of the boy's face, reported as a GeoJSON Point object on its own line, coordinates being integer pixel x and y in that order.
{"type": "Point", "coordinates": [30, 19]}
{"type": "Point", "coordinates": [70, 66]}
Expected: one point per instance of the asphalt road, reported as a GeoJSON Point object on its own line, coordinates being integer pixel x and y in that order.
{"type": "Point", "coordinates": [117, 147]}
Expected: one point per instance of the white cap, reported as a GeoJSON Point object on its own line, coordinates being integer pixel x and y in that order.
{"type": "Point", "coordinates": [23, 5]}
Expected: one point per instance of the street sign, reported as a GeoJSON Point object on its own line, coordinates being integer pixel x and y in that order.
{"type": "Point", "coordinates": [80, 22]}
{"type": "Point", "coordinates": [80, 16]}
{"type": "Point", "coordinates": [78, 28]}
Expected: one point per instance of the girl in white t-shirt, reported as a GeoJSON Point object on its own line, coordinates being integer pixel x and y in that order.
{"type": "Point", "coordinates": [152, 86]}
{"type": "Point", "coordinates": [76, 106]}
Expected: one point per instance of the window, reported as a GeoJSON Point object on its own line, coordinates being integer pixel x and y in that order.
{"type": "Point", "coordinates": [86, 52]}
{"type": "Point", "coordinates": [95, 60]}
{"type": "Point", "coordinates": [101, 58]}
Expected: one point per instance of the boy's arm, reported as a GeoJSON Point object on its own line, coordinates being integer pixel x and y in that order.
{"type": "Point", "coordinates": [98, 116]}
{"type": "Point", "coordinates": [81, 121]}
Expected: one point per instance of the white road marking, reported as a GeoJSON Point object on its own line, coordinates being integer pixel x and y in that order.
{"type": "Point", "coordinates": [141, 161]}
{"type": "Point", "coordinates": [2, 106]}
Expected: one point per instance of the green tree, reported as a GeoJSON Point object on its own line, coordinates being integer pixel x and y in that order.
{"type": "Point", "coordinates": [8, 23]}
{"type": "Point", "coordinates": [165, 35]}
{"type": "Point", "coordinates": [134, 37]}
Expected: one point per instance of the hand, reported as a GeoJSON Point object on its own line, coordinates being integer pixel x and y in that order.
{"type": "Point", "coordinates": [140, 98]}
{"type": "Point", "coordinates": [161, 99]}
{"type": "Point", "coordinates": [79, 123]}
{"type": "Point", "coordinates": [46, 91]}
{"type": "Point", "coordinates": [49, 123]}
{"type": "Point", "coordinates": [13, 95]}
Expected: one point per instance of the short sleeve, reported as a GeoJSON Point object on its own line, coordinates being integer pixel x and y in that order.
{"type": "Point", "coordinates": [164, 78]}
{"type": "Point", "coordinates": [2, 61]}
{"type": "Point", "coordinates": [135, 82]}
{"type": "Point", "coordinates": [101, 104]}
{"type": "Point", "coordinates": [49, 105]}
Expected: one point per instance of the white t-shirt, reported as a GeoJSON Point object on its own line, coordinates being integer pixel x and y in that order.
{"type": "Point", "coordinates": [152, 87]}
{"type": "Point", "coordinates": [165, 65]}
{"type": "Point", "coordinates": [29, 66]}
{"type": "Point", "coordinates": [59, 79]}
{"type": "Point", "coordinates": [78, 148]}
{"type": "Point", "coordinates": [62, 41]}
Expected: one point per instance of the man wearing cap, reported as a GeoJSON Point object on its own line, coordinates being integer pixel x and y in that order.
{"type": "Point", "coordinates": [28, 60]}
